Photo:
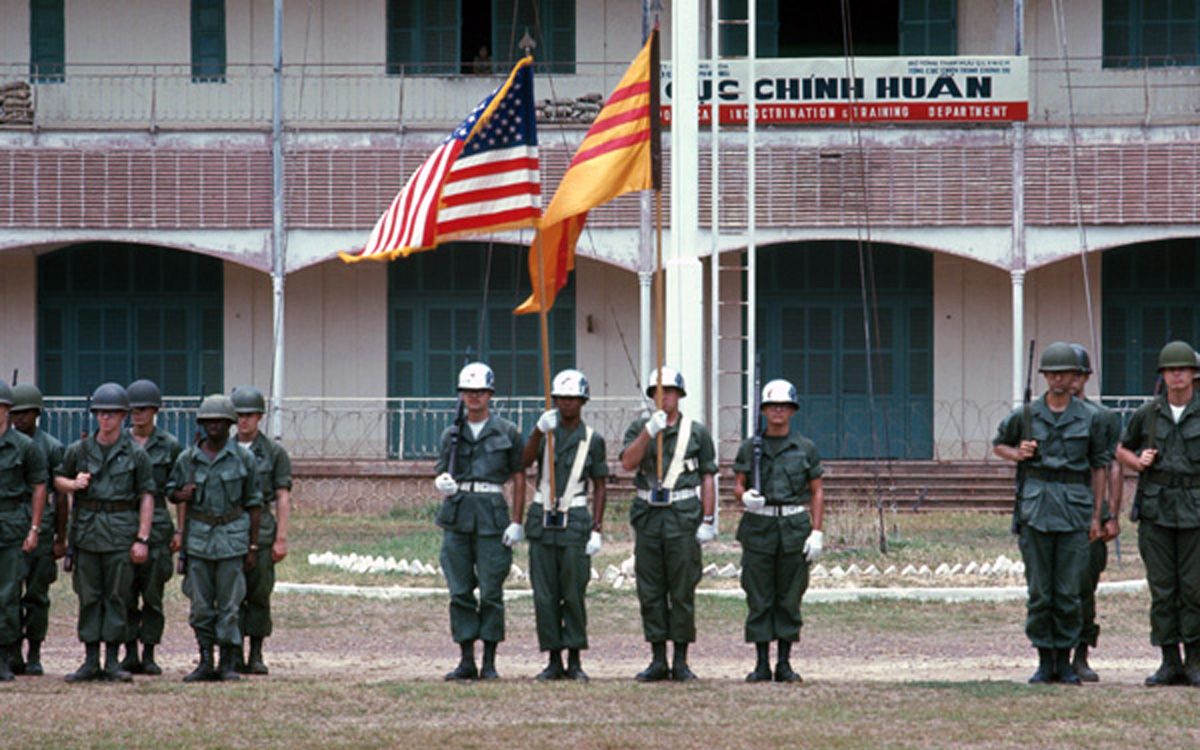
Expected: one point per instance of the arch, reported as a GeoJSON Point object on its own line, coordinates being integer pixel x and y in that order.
{"type": "Point", "coordinates": [249, 249]}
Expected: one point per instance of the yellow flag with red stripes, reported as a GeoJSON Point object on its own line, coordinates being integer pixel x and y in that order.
{"type": "Point", "coordinates": [619, 154]}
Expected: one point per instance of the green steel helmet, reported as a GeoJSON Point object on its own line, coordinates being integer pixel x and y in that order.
{"type": "Point", "coordinates": [1081, 355]}
{"type": "Point", "coordinates": [1196, 375]}
{"type": "Point", "coordinates": [6, 394]}
{"type": "Point", "coordinates": [1059, 357]}
{"type": "Point", "coordinates": [110, 397]}
{"type": "Point", "coordinates": [216, 406]}
{"type": "Point", "coordinates": [249, 400]}
{"type": "Point", "coordinates": [143, 393]}
{"type": "Point", "coordinates": [26, 397]}
{"type": "Point", "coordinates": [1177, 354]}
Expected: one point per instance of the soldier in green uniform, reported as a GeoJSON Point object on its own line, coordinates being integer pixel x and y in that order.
{"type": "Point", "coordinates": [1110, 512]}
{"type": "Point", "coordinates": [23, 477]}
{"type": "Point", "coordinates": [671, 519]}
{"type": "Point", "coordinates": [1161, 443]}
{"type": "Point", "coordinates": [779, 483]}
{"type": "Point", "coordinates": [113, 483]}
{"type": "Point", "coordinates": [275, 484]}
{"type": "Point", "coordinates": [562, 534]}
{"type": "Point", "coordinates": [217, 481]}
{"type": "Point", "coordinates": [146, 619]}
{"type": "Point", "coordinates": [1062, 446]}
{"type": "Point", "coordinates": [478, 533]}
{"type": "Point", "coordinates": [40, 568]}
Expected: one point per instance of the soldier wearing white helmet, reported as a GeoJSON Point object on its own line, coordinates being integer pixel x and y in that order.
{"type": "Point", "coordinates": [478, 533]}
{"type": "Point", "coordinates": [562, 534]}
{"type": "Point", "coordinates": [778, 479]}
{"type": "Point", "coordinates": [671, 518]}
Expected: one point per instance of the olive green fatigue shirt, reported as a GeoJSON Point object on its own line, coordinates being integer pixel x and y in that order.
{"type": "Point", "coordinates": [579, 520]}
{"type": "Point", "coordinates": [22, 466]}
{"type": "Point", "coordinates": [1178, 447]}
{"type": "Point", "coordinates": [53, 450]}
{"type": "Point", "coordinates": [493, 457]}
{"type": "Point", "coordinates": [225, 484]}
{"type": "Point", "coordinates": [788, 464]}
{"type": "Point", "coordinates": [1112, 435]}
{"type": "Point", "coordinates": [164, 450]}
{"type": "Point", "coordinates": [700, 458]}
{"type": "Point", "coordinates": [122, 474]}
{"type": "Point", "coordinates": [274, 474]}
{"type": "Point", "coordinates": [1073, 441]}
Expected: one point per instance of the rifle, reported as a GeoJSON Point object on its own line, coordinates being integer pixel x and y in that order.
{"type": "Point", "coordinates": [1148, 443]}
{"type": "Point", "coordinates": [760, 427]}
{"type": "Point", "coordinates": [1026, 434]}
{"type": "Point", "coordinates": [181, 563]}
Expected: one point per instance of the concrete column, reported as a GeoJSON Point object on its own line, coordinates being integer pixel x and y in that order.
{"type": "Point", "coordinates": [1018, 339]}
{"type": "Point", "coordinates": [646, 326]}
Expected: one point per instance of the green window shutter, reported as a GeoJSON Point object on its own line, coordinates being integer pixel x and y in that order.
{"type": "Point", "coordinates": [1151, 33]}
{"type": "Point", "coordinates": [47, 46]}
{"type": "Point", "coordinates": [928, 27]}
{"type": "Point", "coordinates": [734, 39]}
{"type": "Point", "coordinates": [208, 41]}
{"type": "Point", "coordinates": [552, 27]}
{"type": "Point", "coordinates": [423, 36]}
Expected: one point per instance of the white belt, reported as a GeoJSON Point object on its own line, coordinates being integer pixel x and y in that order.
{"type": "Point", "coordinates": [776, 511]}
{"type": "Point", "coordinates": [579, 501]}
{"type": "Point", "coordinates": [676, 495]}
{"type": "Point", "coordinates": [480, 487]}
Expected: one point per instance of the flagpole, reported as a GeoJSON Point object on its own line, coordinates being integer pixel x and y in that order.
{"type": "Point", "coordinates": [544, 323]}
{"type": "Point", "coordinates": [659, 325]}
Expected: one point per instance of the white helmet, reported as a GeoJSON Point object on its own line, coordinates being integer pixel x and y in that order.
{"type": "Point", "coordinates": [476, 376]}
{"type": "Point", "coordinates": [670, 379]}
{"type": "Point", "coordinates": [780, 392]}
{"type": "Point", "coordinates": [571, 384]}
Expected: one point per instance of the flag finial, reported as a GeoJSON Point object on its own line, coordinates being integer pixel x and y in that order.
{"type": "Point", "coordinates": [527, 44]}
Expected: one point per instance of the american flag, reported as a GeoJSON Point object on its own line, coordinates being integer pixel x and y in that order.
{"type": "Point", "coordinates": [483, 178]}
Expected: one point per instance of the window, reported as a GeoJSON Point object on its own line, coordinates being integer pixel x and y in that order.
{"type": "Point", "coordinates": [47, 50]}
{"type": "Point", "coordinates": [1151, 33]}
{"type": "Point", "coordinates": [208, 41]}
{"type": "Point", "coordinates": [928, 27]}
{"type": "Point", "coordinates": [734, 39]}
{"type": "Point", "coordinates": [441, 37]}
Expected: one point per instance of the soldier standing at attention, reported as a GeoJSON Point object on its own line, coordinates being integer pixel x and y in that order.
{"type": "Point", "coordinates": [1110, 512]}
{"type": "Point", "coordinates": [477, 532]}
{"type": "Point", "coordinates": [22, 501]}
{"type": "Point", "coordinates": [113, 482]}
{"type": "Point", "coordinates": [40, 568]}
{"type": "Point", "coordinates": [780, 537]}
{"type": "Point", "coordinates": [1161, 443]}
{"type": "Point", "coordinates": [1065, 462]}
{"type": "Point", "coordinates": [275, 484]}
{"type": "Point", "coordinates": [670, 521]}
{"type": "Point", "coordinates": [146, 622]}
{"type": "Point", "coordinates": [218, 482]}
{"type": "Point", "coordinates": [562, 534]}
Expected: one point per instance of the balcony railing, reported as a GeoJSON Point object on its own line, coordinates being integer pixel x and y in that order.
{"type": "Point", "coordinates": [366, 97]}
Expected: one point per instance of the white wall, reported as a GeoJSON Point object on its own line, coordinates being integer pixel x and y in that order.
{"type": "Point", "coordinates": [18, 305]}
{"type": "Point", "coordinates": [609, 297]}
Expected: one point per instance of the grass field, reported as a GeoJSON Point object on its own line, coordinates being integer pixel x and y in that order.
{"type": "Point", "coordinates": [350, 672]}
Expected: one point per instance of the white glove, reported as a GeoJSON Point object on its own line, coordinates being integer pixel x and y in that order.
{"type": "Point", "coordinates": [548, 421]}
{"type": "Point", "coordinates": [753, 499]}
{"type": "Point", "coordinates": [445, 484]}
{"type": "Point", "coordinates": [593, 544]}
{"type": "Point", "coordinates": [513, 535]}
{"type": "Point", "coordinates": [706, 533]}
{"type": "Point", "coordinates": [657, 423]}
{"type": "Point", "coordinates": [813, 545]}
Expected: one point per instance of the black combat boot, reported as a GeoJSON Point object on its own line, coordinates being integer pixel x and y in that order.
{"type": "Point", "coordinates": [204, 671]}
{"type": "Point", "coordinates": [1191, 665]}
{"type": "Point", "coordinates": [112, 664]}
{"type": "Point", "coordinates": [554, 669]}
{"type": "Point", "coordinates": [575, 666]}
{"type": "Point", "coordinates": [10, 656]}
{"type": "Point", "coordinates": [1045, 670]}
{"type": "Point", "coordinates": [6, 672]}
{"type": "Point", "coordinates": [658, 669]}
{"type": "Point", "coordinates": [680, 672]}
{"type": "Point", "coordinates": [256, 664]}
{"type": "Point", "coordinates": [466, 666]}
{"type": "Point", "coordinates": [487, 669]}
{"type": "Point", "coordinates": [239, 659]}
{"type": "Point", "coordinates": [149, 666]}
{"type": "Point", "coordinates": [90, 669]}
{"type": "Point", "coordinates": [1062, 666]}
{"type": "Point", "coordinates": [762, 663]}
{"type": "Point", "coordinates": [226, 670]}
{"type": "Point", "coordinates": [1081, 666]}
{"type": "Point", "coordinates": [131, 663]}
{"type": "Point", "coordinates": [1170, 672]}
{"type": "Point", "coordinates": [33, 662]}
{"type": "Point", "coordinates": [783, 665]}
